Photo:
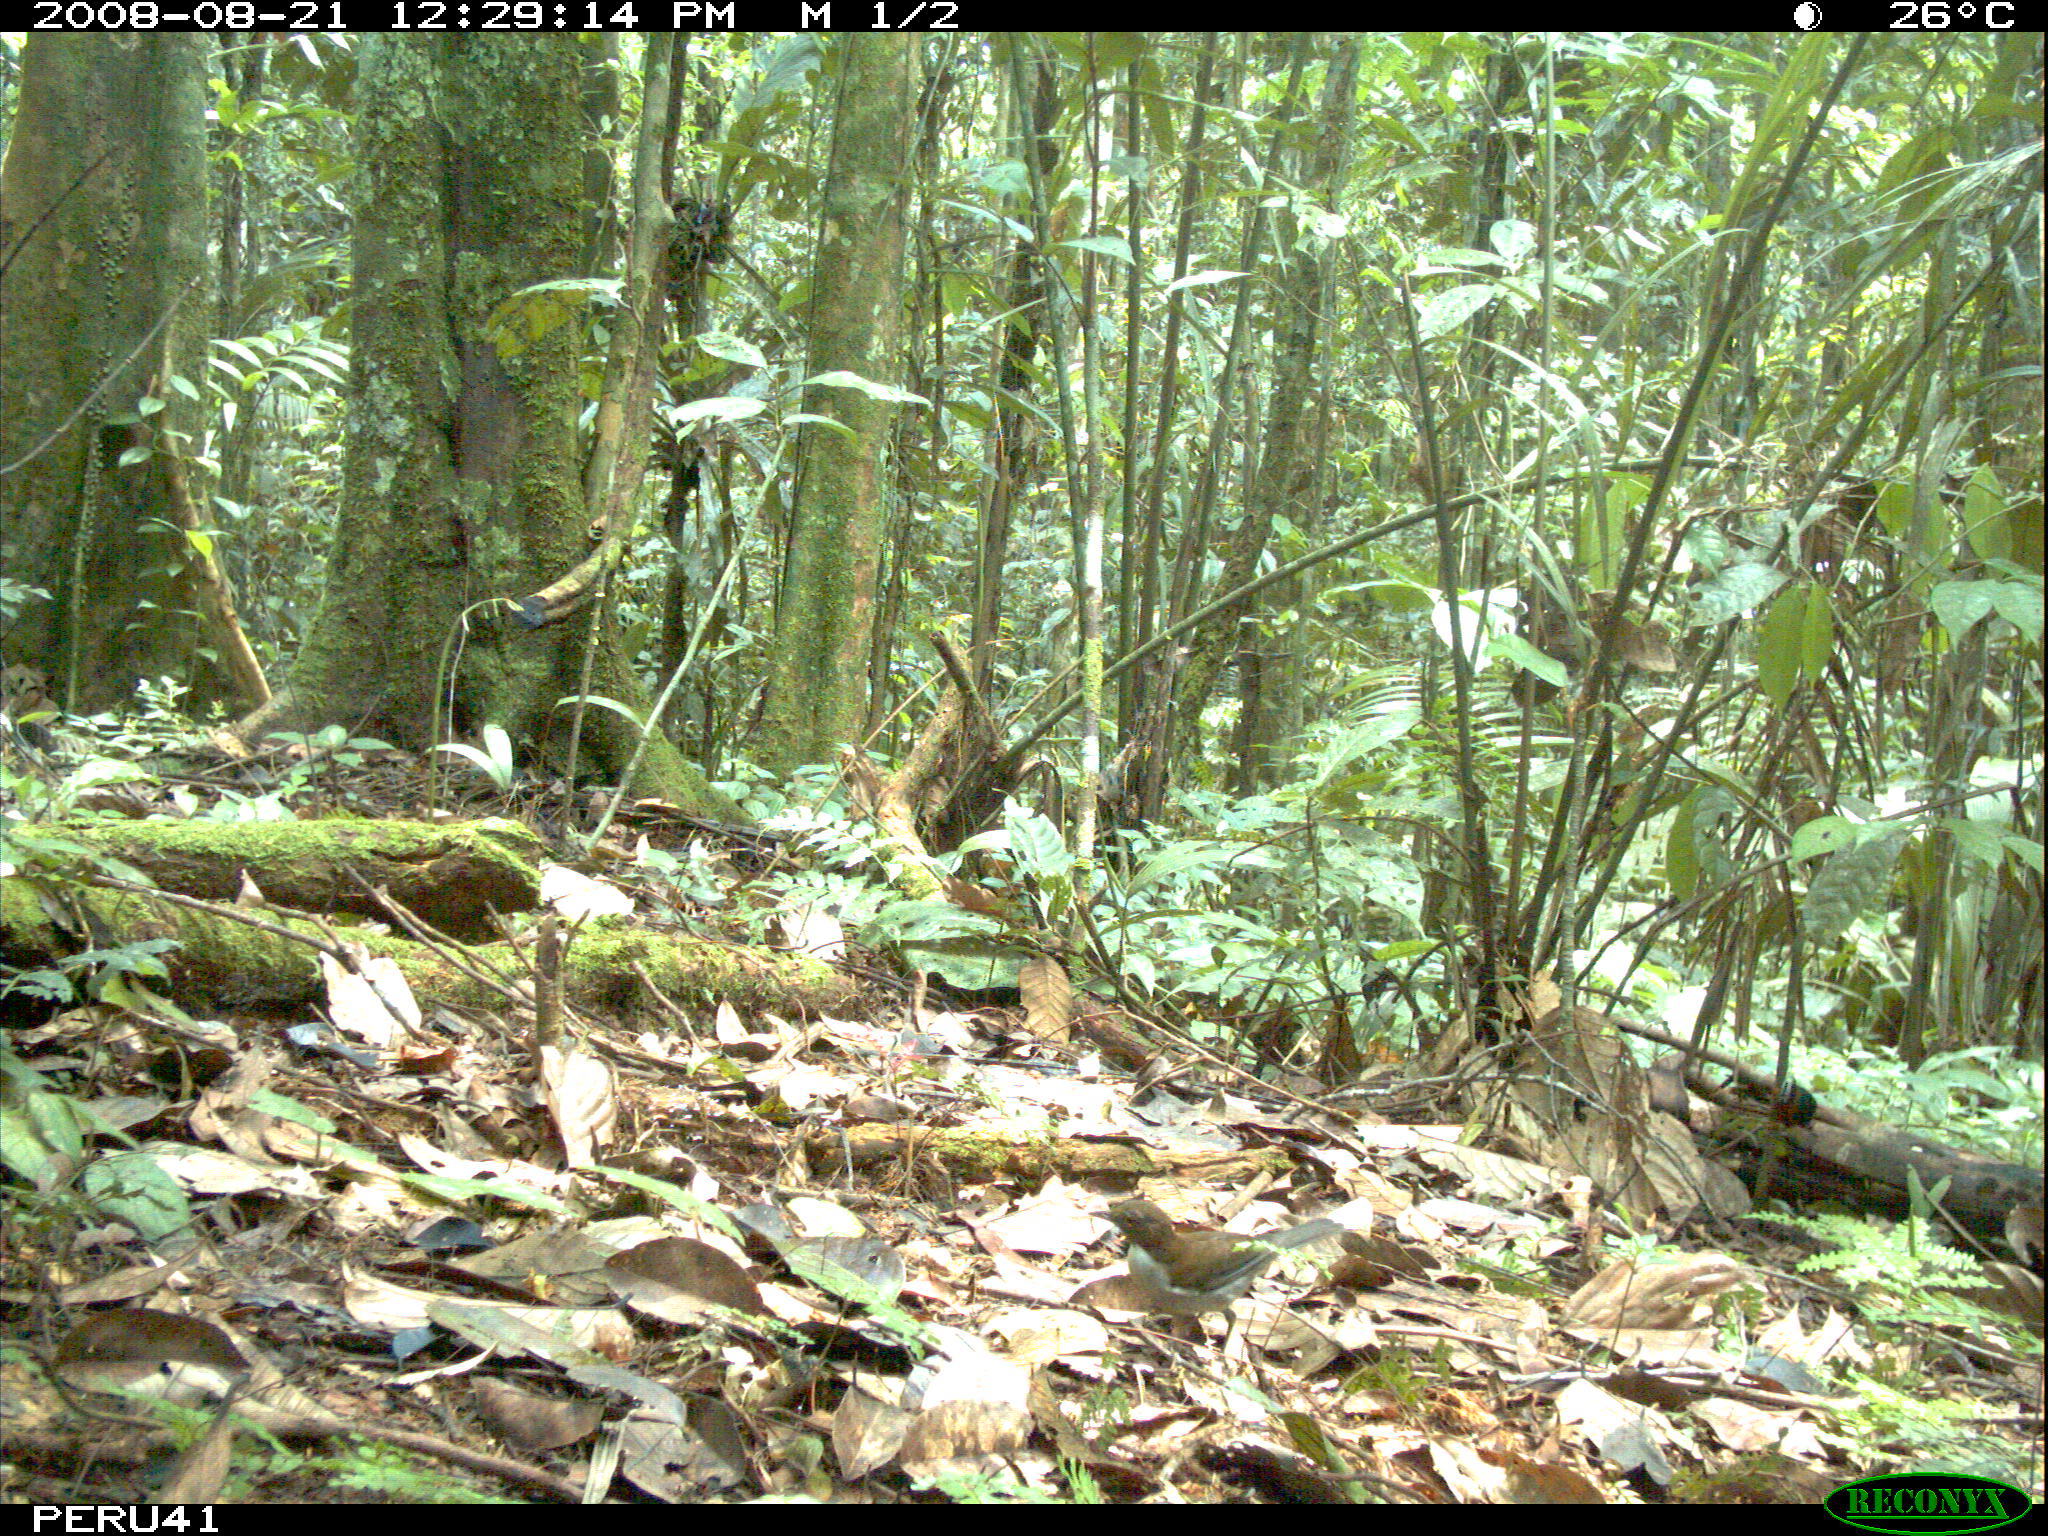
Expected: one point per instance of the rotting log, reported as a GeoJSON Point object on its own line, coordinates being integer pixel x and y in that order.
{"type": "Point", "coordinates": [1870, 1167]}
{"type": "Point", "coordinates": [452, 876]}
{"type": "Point", "coordinates": [223, 965]}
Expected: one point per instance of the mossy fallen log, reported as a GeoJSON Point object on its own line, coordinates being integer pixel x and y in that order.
{"type": "Point", "coordinates": [455, 878]}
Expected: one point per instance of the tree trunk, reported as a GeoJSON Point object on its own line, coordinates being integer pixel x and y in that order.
{"type": "Point", "coordinates": [462, 481]}
{"type": "Point", "coordinates": [102, 303]}
{"type": "Point", "coordinates": [817, 669]}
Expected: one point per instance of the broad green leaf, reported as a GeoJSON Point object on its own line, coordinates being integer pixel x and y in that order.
{"type": "Point", "coordinates": [1851, 884]}
{"type": "Point", "coordinates": [841, 378]}
{"type": "Point", "coordinates": [733, 348]}
{"type": "Point", "coordinates": [1741, 588]}
{"type": "Point", "coordinates": [1984, 515]}
{"type": "Point", "coordinates": [1961, 604]}
{"type": "Point", "coordinates": [1038, 845]}
{"type": "Point", "coordinates": [1977, 842]}
{"type": "Point", "coordinates": [1780, 645]}
{"type": "Point", "coordinates": [1177, 857]}
{"type": "Point", "coordinates": [1817, 634]}
{"type": "Point", "coordinates": [727, 408]}
{"type": "Point", "coordinates": [1524, 655]}
{"type": "Point", "coordinates": [1401, 596]}
{"type": "Point", "coordinates": [278, 1106]}
{"type": "Point", "coordinates": [795, 417]}
{"type": "Point", "coordinates": [676, 1196]}
{"type": "Point", "coordinates": [1108, 50]}
{"type": "Point", "coordinates": [40, 1138]}
{"type": "Point", "coordinates": [976, 964]}
{"type": "Point", "coordinates": [1713, 808]}
{"type": "Point", "coordinates": [1006, 178]}
{"type": "Point", "coordinates": [599, 701]}
{"type": "Point", "coordinates": [1681, 856]}
{"type": "Point", "coordinates": [1104, 245]}
{"type": "Point", "coordinates": [228, 344]}
{"type": "Point", "coordinates": [1201, 279]}
{"type": "Point", "coordinates": [1823, 834]}
{"type": "Point", "coordinates": [2019, 604]}
{"type": "Point", "coordinates": [1402, 949]}
{"type": "Point", "coordinates": [1442, 312]}
{"type": "Point", "coordinates": [1600, 535]}
{"type": "Point", "coordinates": [1894, 506]}
{"type": "Point", "coordinates": [130, 1187]}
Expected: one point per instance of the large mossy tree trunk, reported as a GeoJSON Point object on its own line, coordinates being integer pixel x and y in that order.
{"type": "Point", "coordinates": [462, 484]}
{"type": "Point", "coordinates": [817, 670]}
{"type": "Point", "coordinates": [102, 304]}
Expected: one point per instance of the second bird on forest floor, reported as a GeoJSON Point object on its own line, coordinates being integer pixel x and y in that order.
{"type": "Point", "coordinates": [1203, 1270]}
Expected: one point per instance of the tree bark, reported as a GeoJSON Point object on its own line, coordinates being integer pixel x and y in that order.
{"type": "Point", "coordinates": [463, 477]}
{"type": "Point", "coordinates": [103, 224]}
{"type": "Point", "coordinates": [817, 668]}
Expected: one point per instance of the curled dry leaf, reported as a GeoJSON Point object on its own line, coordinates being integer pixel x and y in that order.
{"type": "Point", "coordinates": [866, 1434]}
{"type": "Point", "coordinates": [967, 1431]}
{"type": "Point", "coordinates": [199, 1473]}
{"type": "Point", "coordinates": [1048, 998]}
{"type": "Point", "coordinates": [1628, 1295]}
{"type": "Point", "coordinates": [812, 932]}
{"type": "Point", "coordinates": [580, 898]}
{"type": "Point", "coordinates": [580, 1098]}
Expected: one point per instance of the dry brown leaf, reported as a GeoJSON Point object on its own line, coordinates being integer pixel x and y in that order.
{"type": "Point", "coordinates": [964, 1429]}
{"type": "Point", "coordinates": [200, 1472]}
{"type": "Point", "coordinates": [579, 1095]}
{"type": "Point", "coordinates": [1673, 1295]}
{"type": "Point", "coordinates": [1048, 998]}
{"type": "Point", "coordinates": [866, 1434]}
{"type": "Point", "coordinates": [811, 932]}
{"type": "Point", "coordinates": [580, 898]}
{"type": "Point", "coordinates": [373, 1001]}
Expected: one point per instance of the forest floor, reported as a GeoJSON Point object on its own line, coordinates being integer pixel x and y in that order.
{"type": "Point", "coordinates": [488, 1229]}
